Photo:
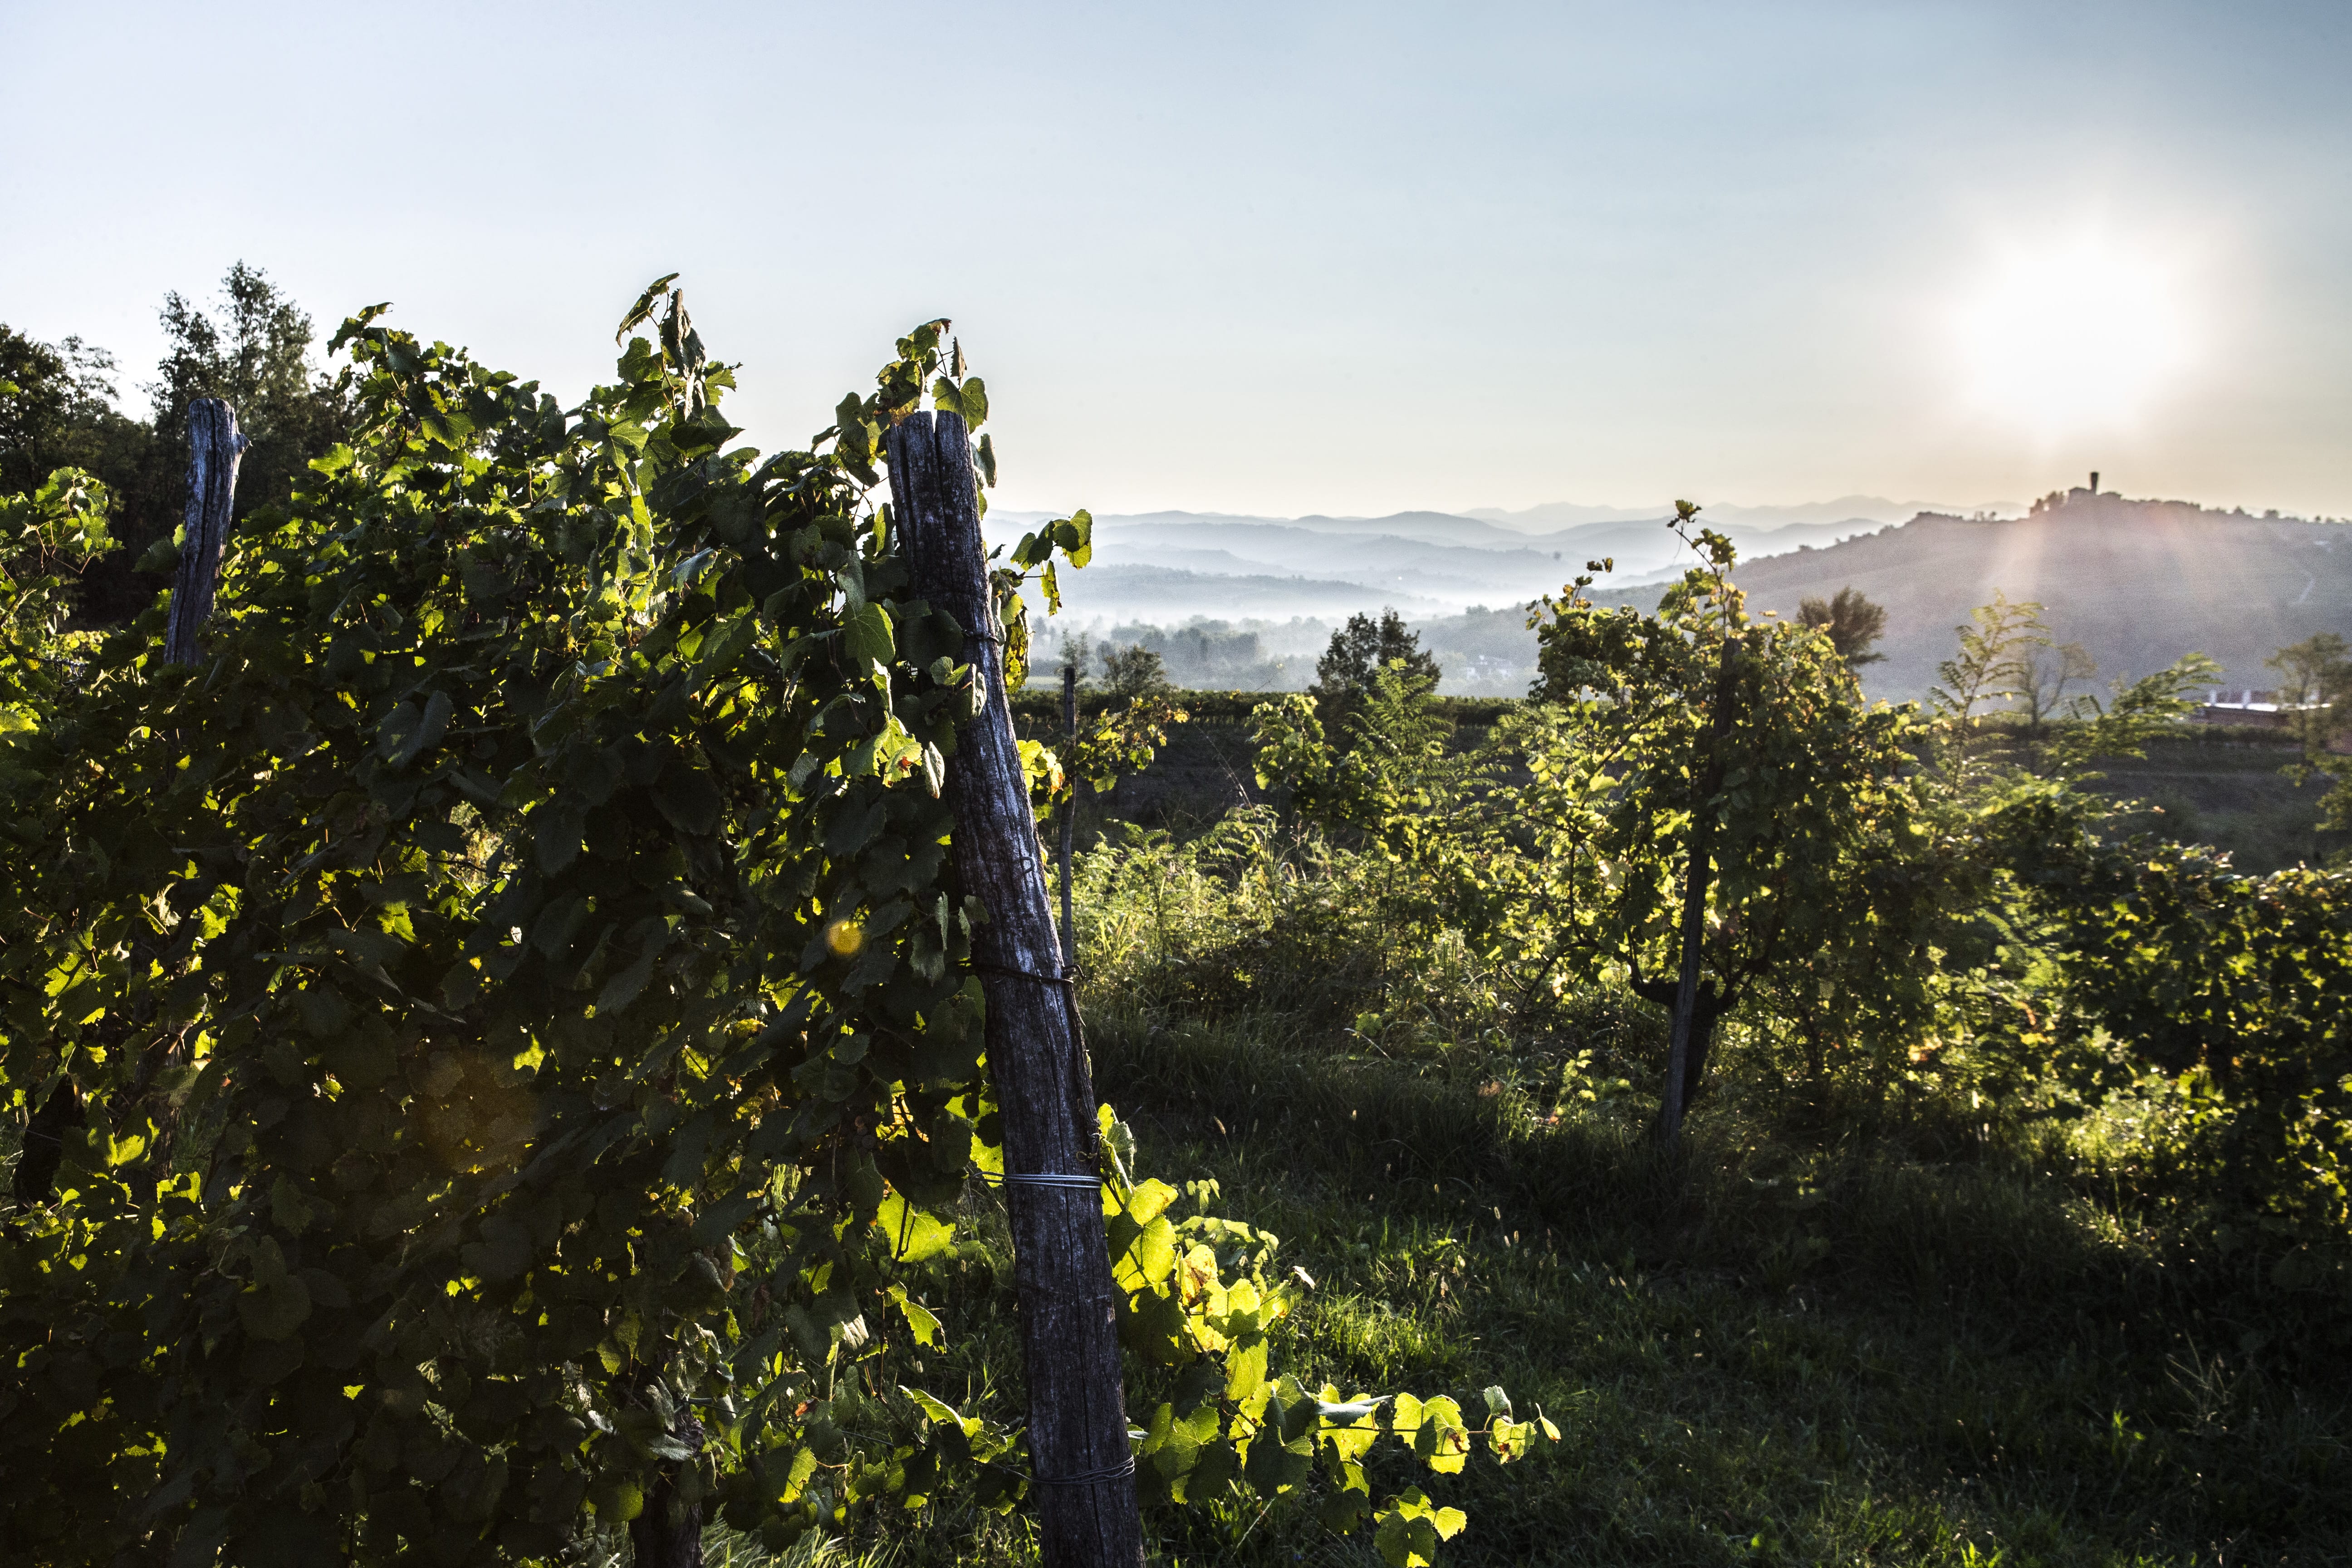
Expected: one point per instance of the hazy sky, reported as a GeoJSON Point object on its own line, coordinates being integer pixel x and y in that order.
{"type": "Point", "coordinates": [1283, 258]}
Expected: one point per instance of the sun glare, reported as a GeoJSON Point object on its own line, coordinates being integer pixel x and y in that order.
{"type": "Point", "coordinates": [2076, 336]}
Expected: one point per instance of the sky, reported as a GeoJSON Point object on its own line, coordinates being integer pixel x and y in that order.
{"type": "Point", "coordinates": [1287, 259]}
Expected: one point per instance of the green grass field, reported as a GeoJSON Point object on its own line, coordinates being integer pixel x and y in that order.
{"type": "Point", "coordinates": [1943, 1344]}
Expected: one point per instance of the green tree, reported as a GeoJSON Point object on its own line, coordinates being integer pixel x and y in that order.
{"type": "Point", "coordinates": [2133, 713]}
{"type": "Point", "coordinates": [46, 539]}
{"type": "Point", "coordinates": [2237, 990]}
{"type": "Point", "coordinates": [2314, 693]}
{"type": "Point", "coordinates": [1076, 654]}
{"type": "Point", "coordinates": [1854, 623]}
{"type": "Point", "coordinates": [1390, 786]}
{"type": "Point", "coordinates": [255, 352]}
{"type": "Point", "coordinates": [1989, 667]}
{"type": "Point", "coordinates": [2045, 671]}
{"type": "Point", "coordinates": [1359, 650]}
{"type": "Point", "coordinates": [1746, 810]}
{"type": "Point", "coordinates": [2007, 654]}
{"type": "Point", "coordinates": [56, 409]}
{"type": "Point", "coordinates": [1134, 671]}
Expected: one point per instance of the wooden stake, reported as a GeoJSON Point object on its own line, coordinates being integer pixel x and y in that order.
{"type": "Point", "coordinates": [1069, 809]}
{"type": "Point", "coordinates": [1079, 1457]}
{"type": "Point", "coordinates": [214, 449]}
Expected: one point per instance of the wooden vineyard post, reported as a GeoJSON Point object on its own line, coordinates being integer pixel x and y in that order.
{"type": "Point", "coordinates": [1069, 810]}
{"type": "Point", "coordinates": [1079, 1457]}
{"type": "Point", "coordinates": [214, 449]}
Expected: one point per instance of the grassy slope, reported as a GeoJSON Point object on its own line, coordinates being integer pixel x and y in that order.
{"type": "Point", "coordinates": [2231, 796]}
{"type": "Point", "coordinates": [1766, 1356]}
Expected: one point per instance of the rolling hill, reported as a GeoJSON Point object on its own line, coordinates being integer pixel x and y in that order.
{"type": "Point", "coordinates": [2137, 583]}
{"type": "Point", "coordinates": [1166, 566]}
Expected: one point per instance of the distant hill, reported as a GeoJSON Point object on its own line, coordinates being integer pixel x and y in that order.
{"type": "Point", "coordinates": [1856, 508]}
{"type": "Point", "coordinates": [1420, 562]}
{"type": "Point", "coordinates": [2137, 583]}
{"type": "Point", "coordinates": [1112, 591]}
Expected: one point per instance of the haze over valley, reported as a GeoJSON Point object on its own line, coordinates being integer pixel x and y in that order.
{"type": "Point", "coordinates": [1248, 601]}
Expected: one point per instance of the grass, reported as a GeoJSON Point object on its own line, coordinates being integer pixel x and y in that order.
{"type": "Point", "coordinates": [2232, 796]}
{"type": "Point", "coordinates": [1758, 1355]}
{"type": "Point", "coordinates": [1935, 1346]}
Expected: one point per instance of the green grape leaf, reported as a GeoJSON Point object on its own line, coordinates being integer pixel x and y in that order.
{"type": "Point", "coordinates": [913, 1234]}
{"type": "Point", "coordinates": [687, 798]}
{"type": "Point", "coordinates": [641, 312]}
{"type": "Point", "coordinates": [1410, 1530]}
{"type": "Point", "coordinates": [920, 1321]}
{"type": "Point", "coordinates": [867, 638]}
{"type": "Point", "coordinates": [1076, 535]}
{"type": "Point", "coordinates": [273, 1306]}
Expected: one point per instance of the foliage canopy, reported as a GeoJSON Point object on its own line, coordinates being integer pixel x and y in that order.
{"type": "Point", "coordinates": [516, 991]}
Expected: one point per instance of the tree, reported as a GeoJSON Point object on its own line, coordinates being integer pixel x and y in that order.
{"type": "Point", "coordinates": [2314, 693]}
{"type": "Point", "coordinates": [256, 355]}
{"type": "Point", "coordinates": [1990, 666]}
{"type": "Point", "coordinates": [2044, 671]}
{"type": "Point", "coordinates": [2238, 990]}
{"type": "Point", "coordinates": [1076, 653]}
{"type": "Point", "coordinates": [1364, 647]}
{"type": "Point", "coordinates": [2133, 713]}
{"type": "Point", "coordinates": [1852, 622]}
{"type": "Point", "coordinates": [1743, 802]}
{"type": "Point", "coordinates": [46, 539]}
{"type": "Point", "coordinates": [1134, 671]}
{"type": "Point", "coordinates": [57, 410]}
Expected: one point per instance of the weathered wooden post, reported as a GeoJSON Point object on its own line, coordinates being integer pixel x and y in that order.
{"type": "Point", "coordinates": [1080, 1455]}
{"type": "Point", "coordinates": [214, 449]}
{"type": "Point", "coordinates": [1069, 808]}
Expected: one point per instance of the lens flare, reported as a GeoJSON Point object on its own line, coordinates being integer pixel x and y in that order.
{"type": "Point", "coordinates": [2076, 336]}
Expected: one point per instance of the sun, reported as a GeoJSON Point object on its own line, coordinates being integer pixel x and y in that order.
{"type": "Point", "coordinates": [2079, 335]}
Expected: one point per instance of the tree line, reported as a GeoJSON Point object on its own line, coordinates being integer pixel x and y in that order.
{"type": "Point", "coordinates": [60, 407]}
